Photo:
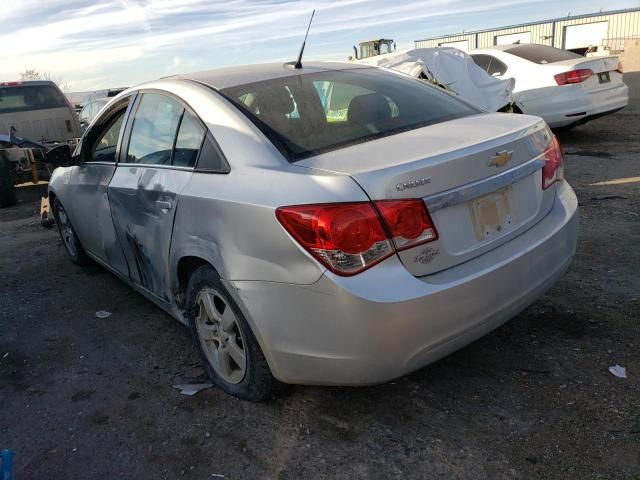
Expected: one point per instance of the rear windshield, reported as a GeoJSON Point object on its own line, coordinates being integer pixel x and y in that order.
{"type": "Point", "coordinates": [541, 53]}
{"type": "Point", "coordinates": [27, 98]}
{"type": "Point", "coordinates": [308, 114]}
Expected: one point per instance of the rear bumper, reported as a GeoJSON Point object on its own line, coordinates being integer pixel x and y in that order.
{"type": "Point", "coordinates": [562, 106]}
{"type": "Point", "coordinates": [385, 322]}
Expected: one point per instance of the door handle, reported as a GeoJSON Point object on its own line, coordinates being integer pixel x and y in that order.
{"type": "Point", "coordinates": [164, 204]}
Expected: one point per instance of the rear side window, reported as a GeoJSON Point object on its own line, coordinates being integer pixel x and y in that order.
{"type": "Point", "coordinates": [541, 53]}
{"type": "Point", "coordinates": [490, 64]}
{"type": "Point", "coordinates": [188, 142]}
{"type": "Point", "coordinates": [154, 130]}
{"type": "Point", "coordinates": [308, 114]}
{"type": "Point", "coordinates": [27, 98]}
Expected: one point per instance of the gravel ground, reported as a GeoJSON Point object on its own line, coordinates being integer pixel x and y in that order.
{"type": "Point", "coordinates": [89, 398]}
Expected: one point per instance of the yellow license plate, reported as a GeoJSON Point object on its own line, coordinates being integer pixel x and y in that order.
{"type": "Point", "coordinates": [491, 214]}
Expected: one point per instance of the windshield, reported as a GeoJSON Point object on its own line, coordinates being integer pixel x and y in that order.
{"type": "Point", "coordinates": [308, 114]}
{"type": "Point", "coordinates": [541, 53]}
{"type": "Point", "coordinates": [27, 98]}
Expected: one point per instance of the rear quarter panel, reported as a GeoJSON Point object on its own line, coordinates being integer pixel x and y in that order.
{"type": "Point", "coordinates": [228, 219]}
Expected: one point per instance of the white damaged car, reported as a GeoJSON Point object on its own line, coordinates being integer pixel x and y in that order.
{"type": "Point", "coordinates": [560, 86]}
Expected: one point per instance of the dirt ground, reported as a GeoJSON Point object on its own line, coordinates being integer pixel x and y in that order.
{"type": "Point", "coordinates": [89, 398]}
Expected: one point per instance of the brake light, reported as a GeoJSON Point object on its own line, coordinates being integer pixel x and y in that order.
{"type": "Point", "coordinates": [346, 237]}
{"type": "Point", "coordinates": [574, 76]}
{"type": "Point", "coordinates": [350, 237]}
{"type": "Point", "coordinates": [408, 222]}
{"type": "Point", "coordinates": [10, 84]}
{"type": "Point", "coordinates": [553, 169]}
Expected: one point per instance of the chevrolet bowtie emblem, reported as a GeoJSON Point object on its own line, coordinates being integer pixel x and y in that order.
{"type": "Point", "coordinates": [501, 158]}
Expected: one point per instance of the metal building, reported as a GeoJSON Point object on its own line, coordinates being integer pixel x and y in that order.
{"type": "Point", "coordinates": [606, 30]}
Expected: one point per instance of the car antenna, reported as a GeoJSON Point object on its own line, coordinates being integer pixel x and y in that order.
{"type": "Point", "coordinates": [298, 64]}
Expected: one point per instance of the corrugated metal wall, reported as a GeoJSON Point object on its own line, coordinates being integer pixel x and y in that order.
{"type": "Point", "coordinates": [621, 25]}
{"type": "Point", "coordinates": [453, 38]}
{"type": "Point", "coordinates": [540, 33]}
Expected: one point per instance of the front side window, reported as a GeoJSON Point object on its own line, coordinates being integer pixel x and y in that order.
{"type": "Point", "coordinates": [103, 149]}
{"type": "Point", "coordinates": [154, 129]}
{"type": "Point", "coordinates": [335, 109]}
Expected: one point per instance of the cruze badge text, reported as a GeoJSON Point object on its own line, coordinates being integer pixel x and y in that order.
{"type": "Point", "coordinates": [418, 182]}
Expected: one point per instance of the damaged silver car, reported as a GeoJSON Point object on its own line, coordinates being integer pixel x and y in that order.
{"type": "Point", "coordinates": [306, 239]}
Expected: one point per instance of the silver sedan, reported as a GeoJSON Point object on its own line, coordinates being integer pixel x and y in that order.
{"type": "Point", "coordinates": [334, 224]}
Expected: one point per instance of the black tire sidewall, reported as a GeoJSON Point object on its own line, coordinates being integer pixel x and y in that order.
{"type": "Point", "coordinates": [7, 187]}
{"type": "Point", "coordinates": [80, 258]}
{"type": "Point", "coordinates": [258, 384]}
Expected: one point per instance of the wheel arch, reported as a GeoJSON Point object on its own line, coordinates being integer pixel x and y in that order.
{"type": "Point", "coordinates": [51, 195]}
{"type": "Point", "coordinates": [185, 268]}
{"type": "Point", "coordinates": [186, 265]}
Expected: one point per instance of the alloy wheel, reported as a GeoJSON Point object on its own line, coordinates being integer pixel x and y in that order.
{"type": "Point", "coordinates": [66, 231]}
{"type": "Point", "coordinates": [220, 336]}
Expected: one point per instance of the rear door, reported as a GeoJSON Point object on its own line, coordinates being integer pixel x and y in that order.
{"type": "Point", "coordinates": [160, 150]}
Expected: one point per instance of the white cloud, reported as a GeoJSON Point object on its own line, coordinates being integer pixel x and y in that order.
{"type": "Point", "coordinates": [126, 41]}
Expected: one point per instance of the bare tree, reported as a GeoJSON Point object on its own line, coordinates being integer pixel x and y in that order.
{"type": "Point", "coordinates": [33, 74]}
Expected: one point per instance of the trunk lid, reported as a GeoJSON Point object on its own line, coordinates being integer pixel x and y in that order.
{"type": "Point", "coordinates": [605, 74]}
{"type": "Point", "coordinates": [480, 177]}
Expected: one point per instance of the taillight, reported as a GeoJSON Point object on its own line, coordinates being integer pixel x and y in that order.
{"type": "Point", "coordinates": [350, 237]}
{"type": "Point", "coordinates": [408, 222]}
{"type": "Point", "coordinates": [574, 76]}
{"type": "Point", "coordinates": [346, 237]}
{"type": "Point", "coordinates": [553, 169]}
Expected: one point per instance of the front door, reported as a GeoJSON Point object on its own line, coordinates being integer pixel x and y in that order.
{"type": "Point", "coordinates": [88, 183]}
{"type": "Point", "coordinates": [144, 192]}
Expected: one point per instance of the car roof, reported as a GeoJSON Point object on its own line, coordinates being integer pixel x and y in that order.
{"type": "Point", "coordinates": [241, 75]}
{"type": "Point", "coordinates": [509, 46]}
{"type": "Point", "coordinates": [497, 47]}
{"type": "Point", "coordinates": [27, 83]}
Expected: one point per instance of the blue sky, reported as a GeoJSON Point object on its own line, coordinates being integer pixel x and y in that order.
{"type": "Point", "coordinates": [100, 43]}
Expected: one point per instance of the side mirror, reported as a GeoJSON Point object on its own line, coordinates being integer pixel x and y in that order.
{"type": "Point", "coordinates": [59, 156]}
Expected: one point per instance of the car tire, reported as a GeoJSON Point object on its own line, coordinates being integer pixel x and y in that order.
{"type": "Point", "coordinates": [7, 188]}
{"type": "Point", "coordinates": [230, 353]}
{"type": "Point", "coordinates": [68, 235]}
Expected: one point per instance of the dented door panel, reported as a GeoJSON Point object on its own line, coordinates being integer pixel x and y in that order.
{"type": "Point", "coordinates": [144, 200]}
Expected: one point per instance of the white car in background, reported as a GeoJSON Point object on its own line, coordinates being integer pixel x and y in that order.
{"type": "Point", "coordinates": [560, 86]}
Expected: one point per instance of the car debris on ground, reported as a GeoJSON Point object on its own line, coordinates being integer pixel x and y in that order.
{"type": "Point", "coordinates": [192, 389]}
{"type": "Point", "coordinates": [618, 371]}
